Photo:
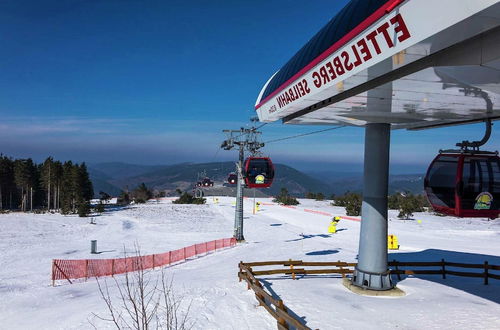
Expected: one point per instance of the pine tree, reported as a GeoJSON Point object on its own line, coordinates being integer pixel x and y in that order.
{"type": "Point", "coordinates": [57, 172]}
{"type": "Point", "coordinates": [124, 198]}
{"type": "Point", "coordinates": [7, 183]}
{"type": "Point", "coordinates": [142, 193]}
{"type": "Point", "coordinates": [66, 188]}
{"type": "Point", "coordinates": [24, 171]}
{"type": "Point", "coordinates": [285, 199]}
{"type": "Point", "coordinates": [47, 172]}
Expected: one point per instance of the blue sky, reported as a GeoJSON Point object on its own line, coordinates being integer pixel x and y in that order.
{"type": "Point", "coordinates": [155, 82]}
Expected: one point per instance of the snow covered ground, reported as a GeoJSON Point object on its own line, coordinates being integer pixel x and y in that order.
{"type": "Point", "coordinates": [29, 242]}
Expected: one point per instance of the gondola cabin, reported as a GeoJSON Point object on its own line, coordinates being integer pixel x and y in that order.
{"type": "Point", "coordinates": [465, 184]}
{"type": "Point", "coordinates": [206, 182]}
{"type": "Point", "coordinates": [232, 178]}
{"type": "Point", "coordinates": [259, 172]}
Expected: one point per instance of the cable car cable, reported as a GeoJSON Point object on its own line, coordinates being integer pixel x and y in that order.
{"type": "Point", "coordinates": [305, 134]}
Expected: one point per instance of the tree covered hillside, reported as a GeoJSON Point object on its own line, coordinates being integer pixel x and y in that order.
{"type": "Point", "coordinates": [26, 186]}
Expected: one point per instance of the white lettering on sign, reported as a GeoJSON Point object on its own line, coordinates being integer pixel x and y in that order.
{"type": "Point", "coordinates": [349, 58]}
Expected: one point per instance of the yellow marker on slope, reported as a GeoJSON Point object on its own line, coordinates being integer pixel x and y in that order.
{"type": "Point", "coordinates": [392, 242]}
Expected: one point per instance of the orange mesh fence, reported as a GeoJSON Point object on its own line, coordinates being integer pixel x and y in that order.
{"type": "Point", "coordinates": [85, 268]}
{"type": "Point", "coordinates": [318, 212]}
{"type": "Point", "coordinates": [211, 246]}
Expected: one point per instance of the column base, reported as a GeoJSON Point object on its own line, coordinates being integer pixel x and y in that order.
{"type": "Point", "coordinates": [372, 281]}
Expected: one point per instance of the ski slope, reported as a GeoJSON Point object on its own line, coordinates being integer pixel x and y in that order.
{"type": "Point", "coordinates": [210, 285]}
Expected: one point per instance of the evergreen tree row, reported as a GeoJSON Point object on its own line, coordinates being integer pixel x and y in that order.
{"type": "Point", "coordinates": [52, 185]}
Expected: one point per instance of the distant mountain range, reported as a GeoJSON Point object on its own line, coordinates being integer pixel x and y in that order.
{"type": "Point", "coordinates": [116, 176]}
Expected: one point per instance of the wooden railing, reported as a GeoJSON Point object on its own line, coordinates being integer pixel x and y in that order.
{"type": "Point", "coordinates": [443, 271]}
{"type": "Point", "coordinates": [278, 309]}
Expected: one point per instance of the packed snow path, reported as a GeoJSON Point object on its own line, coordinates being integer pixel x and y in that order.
{"type": "Point", "coordinates": [218, 301]}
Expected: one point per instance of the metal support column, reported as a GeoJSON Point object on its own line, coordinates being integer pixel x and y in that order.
{"type": "Point", "coordinates": [372, 271]}
{"type": "Point", "coordinates": [238, 217]}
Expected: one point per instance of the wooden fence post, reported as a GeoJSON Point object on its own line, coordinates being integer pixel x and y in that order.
{"type": "Point", "coordinates": [486, 275]}
{"type": "Point", "coordinates": [281, 321]}
{"type": "Point", "coordinates": [291, 269]}
{"type": "Point", "coordinates": [397, 270]}
{"type": "Point", "coordinates": [241, 271]}
{"type": "Point", "coordinates": [443, 270]}
{"type": "Point", "coordinates": [112, 267]}
{"type": "Point", "coordinates": [153, 261]}
{"type": "Point", "coordinates": [184, 253]}
{"type": "Point", "coordinates": [341, 268]}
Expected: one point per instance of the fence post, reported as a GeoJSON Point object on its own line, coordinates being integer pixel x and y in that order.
{"type": "Point", "coordinates": [86, 269]}
{"type": "Point", "coordinates": [486, 275]}
{"type": "Point", "coordinates": [341, 268]}
{"type": "Point", "coordinates": [241, 270]}
{"type": "Point", "coordinates": [184, 253]}
{"type": "Point", "coordinates": [112, 267]}
{"type": "Point", "coordinates": [281, 321]}
{"type": "Point", "coordinates": [195, 250]}
{"type": "Point", "coordinates": [206, 248]}
{"type": "Point", "coordinates": [397, 270]}
{"type": "Point", "coordinates": [153, 261]}
{"type": "Point", "coordinates": [53, 273]}
{"type": "Point", "coordinates": [291, 269]}
{"type": "Point", "coordinates": [169, 257]}
{"type": "Point", "coordinates": [443, 270]}
{"type": "Point", "coordinates": [215, 249]}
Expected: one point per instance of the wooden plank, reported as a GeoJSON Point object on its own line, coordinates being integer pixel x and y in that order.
{"type": "Point", "coordinates": [267, 307]}
{"type": "Point", "coordinates": [290, 319]}
{"type": "Point", "coordinates": [329, 271]}
{"type": "Point", "coordinates": [282, 327]}
{"type": "Point", "coordinates": [281, 321]}
{"type": "Point", "coordinates": [416, 271]}
{"type": "Point", "coordinates": [265, 263]}
{"type": "Point", "coordinates": [278, 271]}
{"type": "Point", "coordinates": [415, 264]}
{"type": "Point", "coordinates": [333, 264]}
{"type": "Point", "coordinates": [261, 291]}
{"type": "Point", "coordinates": [293, 263]}
{"type": "Point", "coordinates": [252, 278]}
{"type": "Point", "coordinates": [302, 271]}
{"type": "Point", "coordinates": [494, 267]}
{"type": "Point", "coordinates": [465, 274]}
{"type": "Point", "coordinates": [495, 276]}
{"type": "Point", "coordinates": [460, 265]}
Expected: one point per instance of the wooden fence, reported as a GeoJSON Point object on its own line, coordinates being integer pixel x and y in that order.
{"type": "Point", "coordinates": [443, 270]}
{"type": "Point", "coordinates": [280, 311]}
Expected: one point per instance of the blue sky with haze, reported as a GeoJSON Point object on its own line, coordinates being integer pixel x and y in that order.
{"type": "Point", "coordinates": [155, 82]}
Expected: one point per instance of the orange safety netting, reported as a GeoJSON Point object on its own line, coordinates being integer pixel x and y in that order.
{"type": "Point", "coordinates": [85, 268]}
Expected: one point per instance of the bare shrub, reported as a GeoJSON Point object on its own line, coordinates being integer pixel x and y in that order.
{"type": "Point", "coordinates": [145, 300]}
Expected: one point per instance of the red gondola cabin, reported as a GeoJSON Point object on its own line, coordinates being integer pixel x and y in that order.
{"type": "Point", "coordinates": [232, 178]}
{"type": "Point", "coordinates": [259, 172]}
{"type": "Point", "coordinates": [464, 184]}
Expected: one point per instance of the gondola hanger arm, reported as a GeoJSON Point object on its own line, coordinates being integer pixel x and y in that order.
{"type": "Point", "coordinates": [464, 145]}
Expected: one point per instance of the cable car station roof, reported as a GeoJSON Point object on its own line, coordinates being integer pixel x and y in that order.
{"type": "Point", "coordinates": [412, 63]}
